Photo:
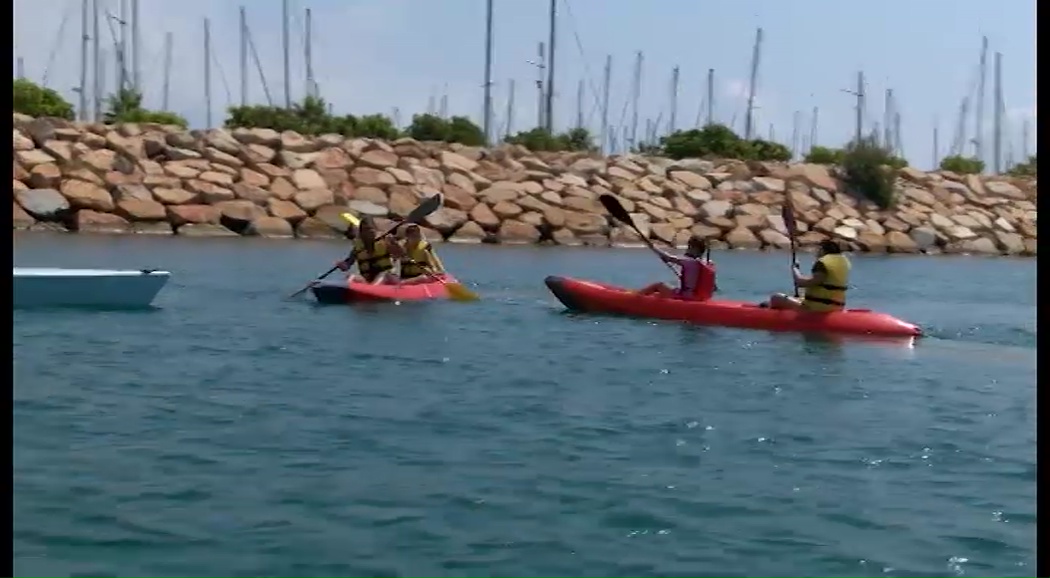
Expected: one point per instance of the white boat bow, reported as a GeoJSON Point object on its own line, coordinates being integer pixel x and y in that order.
{"type": "Point", "coordinates": [57, 287]}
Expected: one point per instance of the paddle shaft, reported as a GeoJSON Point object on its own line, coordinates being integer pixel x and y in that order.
{"type": "Point", "coordinates": [334, 267]}
{"type": "Point", "coordinates": [788, 216]}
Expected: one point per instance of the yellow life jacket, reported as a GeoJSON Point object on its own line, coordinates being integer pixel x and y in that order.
{"type": "Point", "coordinates": [371, 264]}
{"type": "Point", "coordinates": [831, 295]}
{"type": "Point", "coordinates": [414, 258]}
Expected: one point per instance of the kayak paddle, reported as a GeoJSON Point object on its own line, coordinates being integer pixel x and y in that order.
{"type": "Point", "coordinates": [612, 204]}
{"type": "Point", "coordinates": [350, 218]}
{"type": "Point", "coordinates": [456, 291]}
{"type": "Point", "coordinates": [429, 205]}
{"type": "Point", "coordinates": [787, 213]}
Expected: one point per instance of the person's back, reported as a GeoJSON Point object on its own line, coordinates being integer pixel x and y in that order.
{"type": "Point", "coordinates": [830, 294]}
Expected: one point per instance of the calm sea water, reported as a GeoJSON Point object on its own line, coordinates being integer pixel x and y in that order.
{"type": "Point", "coordinates": [230, 432]}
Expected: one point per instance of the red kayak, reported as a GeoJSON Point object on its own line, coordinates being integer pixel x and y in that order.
{"type": "Point", "coordinates": [591, 297]}
{"type": "Point", "coordinates": [346, 291]}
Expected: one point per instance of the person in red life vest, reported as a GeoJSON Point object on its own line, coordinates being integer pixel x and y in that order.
{"type": "Point", "coordinates": [697, 277]}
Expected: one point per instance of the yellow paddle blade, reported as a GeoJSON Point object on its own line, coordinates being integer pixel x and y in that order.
{"type": "Point", "coordinates": [350, 218]}
{"type": "Point", "coordinates": [458, 292]}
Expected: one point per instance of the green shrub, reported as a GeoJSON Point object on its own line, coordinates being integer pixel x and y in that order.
{"type": "Point", "coordinates": [310, 117]}
{"type": "Point", "coordinates": [962, 165]}
{"type": "Point", "coordinates": [1026, 169]}
{"type": "Point", "coordinates": [126, 107]}
{"type": "Point", "coordinates": [719, 141]}
{"type": "Point", "coordinates": [35, 100]}
{"type": "Point", "coordinates": [460, 129]}
{"type": "Point", "coordinates": [824, 156]}
{"type": "Point", "coordinates": [871, 170]}
{"type": "Point", "coordinates": [764, 150]}
{"type": "Point", "coordinates": [538, 139]}
{"type": "Point", "coordinates": [376, 126]}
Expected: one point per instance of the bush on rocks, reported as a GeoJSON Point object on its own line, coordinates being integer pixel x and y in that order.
{"type": "Point", "coordinates": [962, 165]}
{"type": "Point", "coordinates": [819, 155]}
{"type": "Point", "coordinates": [126, 107]}
{"type": "Point", "coordinates": [458, 129]}
{"type": "Point", "coordinates": [1026, 169]}
{"type": "Point", "coordinates": [871, 170]}
{"type": "Point", "coordinates": [719, 141]}
{"type": "Point", "coordinates": [310, 117]}
{"type": "Point", "coordinates": [538, 139]}
{"type": "Point", "coordinates": [35, 100]}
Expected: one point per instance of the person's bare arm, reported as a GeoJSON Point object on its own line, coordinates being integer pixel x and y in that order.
{"type": "Point", "coordinates": [819, 276]}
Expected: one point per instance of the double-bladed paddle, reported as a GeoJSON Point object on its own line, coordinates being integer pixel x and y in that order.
{"type": "Point", "coordinates": [428, 206]}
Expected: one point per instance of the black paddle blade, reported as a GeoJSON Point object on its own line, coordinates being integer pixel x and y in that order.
{"type": "Point", "coordinates": [428, 206]}
{"type": "Point", "coordinates": [788, 214]}
{"type": "Point", "coordinates": [612, 204]}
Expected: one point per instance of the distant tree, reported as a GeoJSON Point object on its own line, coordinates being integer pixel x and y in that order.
{"type": "Point", "coordinates": [962, 165]}
{"type": "Point", "coordinates": [871, 170]}
{"type": "Point", "coordinates": [1026, 169]}
{"type": "Point", "coordinates": [126, 107]}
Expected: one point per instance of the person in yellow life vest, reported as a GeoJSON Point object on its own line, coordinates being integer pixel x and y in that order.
{"type": "Point", "coordinates": [419, 262]}
{"type": "Point", "coordinates": [374, 257]}
{"type": "Point", "coordinates": [825, 288]}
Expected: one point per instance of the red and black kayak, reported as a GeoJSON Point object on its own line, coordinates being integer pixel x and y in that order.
{"type": "Point", "coordinates": [346, 291]}
{"type": "Point", "coordinates": [591, 297]}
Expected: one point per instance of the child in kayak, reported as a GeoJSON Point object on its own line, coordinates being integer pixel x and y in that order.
{"type": "Point", "coordinates": [419, 262]}
{"type": "Point", "coordinates": [697, 277]}
{"type": "Point", "coordinates": [826, 286]}
{"type": "Point", "coordinates": [374, 257]}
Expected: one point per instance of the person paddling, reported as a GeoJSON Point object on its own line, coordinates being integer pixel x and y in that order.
{"type": "Point", "coordinates": [374, 258]}
{"type": "Point", "coordinates": [697, 277]}
{"type": "Point", "coordinates": [825, 287]}
{"type": "Point", "coordinates": [419, 261]}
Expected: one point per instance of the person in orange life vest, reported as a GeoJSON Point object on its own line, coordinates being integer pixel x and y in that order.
{"type": "Point", "coordinates": [697, 278]}
{"type": "Point", "coordinates": [825, 288]}
{"type": "Point", "coordinates": [374, 257]}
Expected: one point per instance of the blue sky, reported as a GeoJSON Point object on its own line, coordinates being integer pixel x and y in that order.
{"type": "Point", "coordinates": [375, 56]}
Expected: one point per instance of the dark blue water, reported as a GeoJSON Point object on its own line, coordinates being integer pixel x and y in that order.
{"type": "Point", "coordinates": [230, 432]}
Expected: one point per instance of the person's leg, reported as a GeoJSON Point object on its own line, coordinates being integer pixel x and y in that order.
{"type": "Point", "coordinates": [654, 289]}
{"type": "Point", "coordinates": [417, 280]}
{"type": "Point", "coordinates": [782, 301]}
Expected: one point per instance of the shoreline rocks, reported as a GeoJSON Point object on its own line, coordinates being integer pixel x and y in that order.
{"type": "Point", "coordinates": [152, 179]}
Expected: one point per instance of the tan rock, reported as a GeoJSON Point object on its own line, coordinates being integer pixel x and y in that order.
{"type": "Point", "coordinates": [452, 162]}
{"type": "Point", "coordinates": [742, 238]}
{"type": "Point", "coordinates": [141, 210]}
{"type": "Point", "coordinates": [172, 196]}
{"type": "Point", "coordinates": [22, 219]}
{"type": "Point", "coordinates": [271, 227]}
{"type": "Point", "coordinates": [370, 194]}
{"type": "Point", "coordinates": [565, 237]}
{"type": "Point", "coordinates": [690, 179]}
{"type": "Point", "coordinates": [516, 232]}
{"type": "Point", "coordinates": [204, 230]}
{"type": "Point", "coordinates": [506, 210]}
{"type": "Point", "coordinates": [285, 210]}
{"type": "Point", "coordinates": [249, 192]}
{"type": "Point", "coordinates": [378, 159]}
{"type": "Point", "coordinates": [85, 195]}
{"type": "Point", "coordinates": [458, 198]}
{"type": "Point", "coordinates": [89, 221]}
{"type": "Point", "coordinates": [368, 176]}
{"type": "Point", "coordinates": [333, 158]}
{"type": "Point", "coordinates": [313, 228]}
{"type": "Point", "coordinates": [482, 215]}
{"type": "Point", "coordinates": [446, 220]}
{"type": "Point", "coordinates": [584, 224]}
{"type": "Point", "coordinates": [469, 233]}
{"type": "Point", "coordinates": [45, 176]}
{"type": "Point", "coordinates": [182, 214]}
{"type": "Point", "coordinates": [312, 199]}
{"type": "Point", "coordinates": [774, 238]}
{"type": "Point", "coordinates": [209, 193]}
{"type": "Point", "coordinates": [403, 200]}
{"type": "Point", "coordinates": [31, 158]}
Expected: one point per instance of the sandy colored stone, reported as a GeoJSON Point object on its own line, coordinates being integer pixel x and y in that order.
{"type": "Point", "coordinates": [194, 214]}
{"type": "Point", "coordinates": [516, 232]}
{"type": "Point", "coordinates": [286, 210]}
{"type": "Point", "coordinates": [204, 230]}
{"type": "Point", "coordinates": [312, 228]}
{"type": "Point", "coordinates": [482, 215]}
{"type": "Point", "coordinates": [85, 195]}
{"type": "Point", "coordinates": [311, 200]}
{"type": "Point", "coordinates": [271, 227]}
{"type": "Point", "coordinates": [21, 219]}
{"type": "Point", "coordinates": [89, 221]}
{"type": "Point", "coordinates": [470, 232]}
{"type": "Point", "coordinates": [141, 210]}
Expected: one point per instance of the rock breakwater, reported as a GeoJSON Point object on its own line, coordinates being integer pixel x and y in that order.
{"type": "Point", "coordinates": [151, 179]}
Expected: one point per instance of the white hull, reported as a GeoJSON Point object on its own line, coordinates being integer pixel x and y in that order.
{"type": "Point", "coordinates": [52, 287]}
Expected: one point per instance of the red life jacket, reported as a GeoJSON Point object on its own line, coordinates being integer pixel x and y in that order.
{"type": "Point", "coordinates": [705, 283]}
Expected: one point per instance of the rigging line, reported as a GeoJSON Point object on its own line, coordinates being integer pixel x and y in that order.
{"type": "Point", "coordinates": [56, 43]}
{"type": "Point", "coordinates": [258, 66]}
{"type": "Point", "coordinates": [583, 56]}
{"type": "Point", "coordinates": [222, 77]}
